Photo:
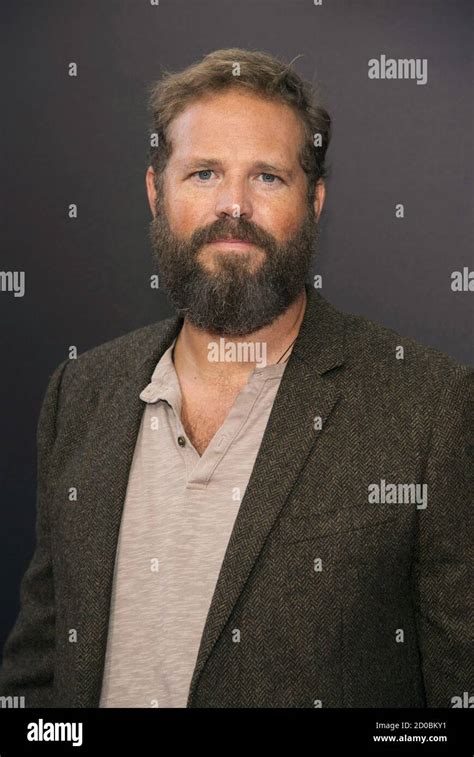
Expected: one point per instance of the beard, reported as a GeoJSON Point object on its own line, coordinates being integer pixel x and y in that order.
{"type": "Point", "coordinates": [241, 293]}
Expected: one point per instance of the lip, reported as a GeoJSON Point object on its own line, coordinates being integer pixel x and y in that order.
{"type": "Point", "coordinates": [230, 241]}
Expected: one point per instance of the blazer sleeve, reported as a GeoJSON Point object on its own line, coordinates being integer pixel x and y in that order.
{"type": "Point", "coordinates": [443, 592]}
{"type": "Point", "coordinates": [29, 651]}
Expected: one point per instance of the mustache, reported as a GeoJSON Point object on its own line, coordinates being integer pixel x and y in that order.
{"type": "Point", "coordinates": [239, 228]}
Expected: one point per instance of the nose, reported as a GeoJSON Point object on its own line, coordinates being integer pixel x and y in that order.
{"type": "Point", "coordinates": [233, 199]}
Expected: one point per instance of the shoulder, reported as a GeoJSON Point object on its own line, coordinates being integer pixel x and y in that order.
{"type": "Point", "coordinates": [373, 347]}
{"type": "Point", "coordinates": [412, 382]}
{"type": "Point", "coordinates": [119, 356]}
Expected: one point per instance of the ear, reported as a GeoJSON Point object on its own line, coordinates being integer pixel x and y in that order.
{"type": "Point", "coordinates": [151, 189]}
{"type": "Point", "coordinates": [319, 197]}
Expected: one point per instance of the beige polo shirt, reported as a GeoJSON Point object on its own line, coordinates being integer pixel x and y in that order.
{"type": "Point", "coordinates": [178, 516]}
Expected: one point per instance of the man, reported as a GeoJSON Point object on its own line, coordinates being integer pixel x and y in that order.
{"type": "Point", "coordinates": [263, 501]}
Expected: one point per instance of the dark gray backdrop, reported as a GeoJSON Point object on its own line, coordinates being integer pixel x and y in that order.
{"type": "Point", "coordinates": [84, 140]}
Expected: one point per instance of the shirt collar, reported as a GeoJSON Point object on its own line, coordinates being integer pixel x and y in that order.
{"type": "Point", "coordinates": [164, 383]}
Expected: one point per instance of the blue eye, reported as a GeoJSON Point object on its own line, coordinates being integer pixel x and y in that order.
{"type": "Point", "coordinates": [204, 170]}
{"type": "Point", "coordinates": [206, 173]}
{"type": "Point", "coordinates": [272, 176]}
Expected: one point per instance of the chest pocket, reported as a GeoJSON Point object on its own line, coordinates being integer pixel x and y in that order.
{"type": "Point", "coordinates": [344, 519]}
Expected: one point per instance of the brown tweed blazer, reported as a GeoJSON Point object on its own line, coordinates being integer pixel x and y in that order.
{"type": "Point", "coordinates": [340, 602]}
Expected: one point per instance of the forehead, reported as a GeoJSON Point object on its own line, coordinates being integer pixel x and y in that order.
{"type": "Point", "coordinates": [237, 124]}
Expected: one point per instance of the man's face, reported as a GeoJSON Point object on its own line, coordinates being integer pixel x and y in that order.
{"type": "Point", "coordinates": [233, 173]}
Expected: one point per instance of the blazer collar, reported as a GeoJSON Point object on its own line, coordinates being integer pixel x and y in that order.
{"type": "Point", "coordinates": [320, 341]}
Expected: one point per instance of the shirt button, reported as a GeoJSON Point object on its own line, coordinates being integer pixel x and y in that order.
{"type": "Point", "coordinates": [181, 441]}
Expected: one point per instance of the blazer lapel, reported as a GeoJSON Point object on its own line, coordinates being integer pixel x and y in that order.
{"type": "Point", "coordinates": [304, 393]}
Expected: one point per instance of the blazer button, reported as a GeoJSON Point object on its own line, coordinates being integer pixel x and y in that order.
{"type": "Point", "coordinates": [181, 441]}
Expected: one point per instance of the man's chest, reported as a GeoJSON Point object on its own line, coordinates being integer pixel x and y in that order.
{"type": "Point", "coordinates": [203, 413]}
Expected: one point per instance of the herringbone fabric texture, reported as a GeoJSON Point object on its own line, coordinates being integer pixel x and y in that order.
{"type": "Point", "coordinates": [323, 598]}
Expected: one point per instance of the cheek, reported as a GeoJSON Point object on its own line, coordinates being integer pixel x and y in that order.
{"type": "Point", "coordinates": [187, 209]}
{"type": "Point", "coordinates": [282, 222]}
{"type": "Point", "coordinates": [181, 216]}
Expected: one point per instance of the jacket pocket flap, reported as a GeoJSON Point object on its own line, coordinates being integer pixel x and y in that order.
{"type": "Point", "coordinates": [343, 519]}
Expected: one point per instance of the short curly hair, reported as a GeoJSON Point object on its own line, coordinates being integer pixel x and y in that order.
{"type": "Point", "coordinates": [259, 72]}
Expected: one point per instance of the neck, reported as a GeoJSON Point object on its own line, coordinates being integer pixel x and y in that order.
{"type": "Point", "coordinates": [191, 351]}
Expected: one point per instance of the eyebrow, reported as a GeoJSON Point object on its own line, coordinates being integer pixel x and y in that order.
{"type": "Point", "coordinates": [215, 163]}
